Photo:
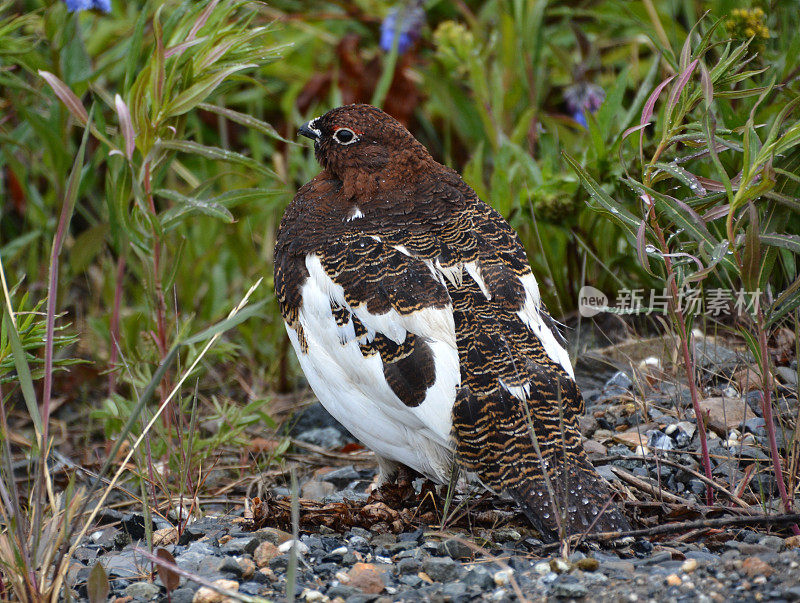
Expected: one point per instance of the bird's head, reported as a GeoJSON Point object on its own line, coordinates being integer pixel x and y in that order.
{"type": "Point", "coordinates": [360, 138]}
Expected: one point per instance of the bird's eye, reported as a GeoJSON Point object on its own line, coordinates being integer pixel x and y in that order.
{"type": "Point", "coordinates": [345, 136]}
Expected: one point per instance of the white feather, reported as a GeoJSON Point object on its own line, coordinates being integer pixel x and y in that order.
{"type": "Point", "coordinates": [530, 315]}
{"type": "Point", "coordinates": [353, 389]}
{"type": "Point", "coordinates": [474, 271]}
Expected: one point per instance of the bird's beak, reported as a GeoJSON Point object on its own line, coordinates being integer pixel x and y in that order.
{"type": "Point", "coordinates": [310, 131]}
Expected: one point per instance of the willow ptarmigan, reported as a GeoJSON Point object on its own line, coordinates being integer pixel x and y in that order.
{"type": "Point", "coordinates": [418, 323]}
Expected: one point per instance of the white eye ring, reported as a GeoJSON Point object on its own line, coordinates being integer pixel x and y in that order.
{"type": "Point", "coordinates": [349, 136]}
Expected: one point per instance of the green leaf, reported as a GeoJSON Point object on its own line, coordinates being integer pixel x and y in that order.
{"type": "Point", "coordinates": [614, 209]}
{"type": "Point", "coordinates": [751, 259]}
{"type": "Point", "coordinates": [194, 148]}
{"type": "Point", "coordinates": [787, 241]}
{"type": "Point", "coordinates": [245, 120]}
{"type": "Point", "coordinates": [23, 371]}
{"type": "Point", "coordinates": [190, 206]}
{"type": "Point", "coordinates": [189, 99]}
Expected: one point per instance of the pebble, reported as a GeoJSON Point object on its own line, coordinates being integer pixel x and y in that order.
{"type": "Point", "coordinates": [207, 595]}
{"type": "Point", "coordinates": [674, 580]}
{"type": "Point", "coordinates": [754, 566]}
{"type": "Point", "coordinates": [298, 546]}
{"type": "Point", "coordinates": [142, 590]}
{"type": "Point", "coordinates": [264, 553]}
{"type": "Point", "coordinates": [503, 577]}
{"type": "Point", "coordinates": [366, 578]}
{"type": "Point", "coordinates": [443, 569]}
{"type": "Point", "coordinates": [689, 566]}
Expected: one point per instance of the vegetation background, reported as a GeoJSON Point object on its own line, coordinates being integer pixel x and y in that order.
{"type": "Point", "coordinates": [125, 249]}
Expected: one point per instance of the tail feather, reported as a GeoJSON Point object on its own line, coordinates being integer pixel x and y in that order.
{"type": "Point", "coordinates": [537, 457]}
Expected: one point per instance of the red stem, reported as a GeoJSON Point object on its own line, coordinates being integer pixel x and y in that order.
{"type": "Point", "coordinates": [161, 306]}
{"type": "Point", "coordinates": [766, 407]}
{"type": "Point", "coordinates": [687, 359]}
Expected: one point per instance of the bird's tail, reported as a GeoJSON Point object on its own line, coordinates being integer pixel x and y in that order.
{"type": "Point", "coordinates": [538, 458]}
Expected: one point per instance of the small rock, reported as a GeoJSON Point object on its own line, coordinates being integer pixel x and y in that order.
{"type": "Point", "coordinates": [620, 380]}
{"type": "Point", "coordinates": [141, 590]}
{"type": "Point", "coordinates": [505, 534]}
{"type": "Point", "coordinates": [315, 490]}
{"type": "Point", "coordinates": [206, 595]}
{"type": "Point", "coordinates": [341, 477]}
{"type": "Point", "coordinates": [503, 577]}
{"type": "Point", "coordinates": [312, 596]}
{"type": "Point", "coordinates": [248, 567]}
{"type": "Point", "coordinates": [454, 590]}
{"type": "Point", "coordinates": [723, 413]}
{"type": "Point", "coordinates": [792, 542]}
{"type": "Point", "coordinates": [674, 580]}
{"type": "Point", "coordinates": [300, 547]}
{"type": "Point", "coordinates": [754, 566]}
{"type": "Point", "coordinates": [272, 535]}
{"type": "Point", "coordinates": [569, 590]}
{"type": "Point", "coordinates": [366, 578]}
{"type": "Point", "coordinates": [594, 447]}
{"type": "Point", "coordinates": [165, 536]}
{"type": "Point", "coordinates": [455, 549]}
{"type": "Point", "coordinates": [324, 437]}
{"type": "Point", "coordinates": [689, 566]}
{"type": "Point", "coordinates": [559, 566]}
{"type": "Point", "coordinates": [542, 568]}
{"type": "Point", "coordinates": [443, 569]}
{"type": "Point", "coordinates": [264, 553]}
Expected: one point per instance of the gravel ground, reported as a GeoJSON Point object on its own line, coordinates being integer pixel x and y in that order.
{"type": "Point", "coordinates": [641, 435]}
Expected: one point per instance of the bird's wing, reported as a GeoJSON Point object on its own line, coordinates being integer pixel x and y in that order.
{"type": "Point", "coordinates": [374, 334]}
{"type": "Point", "coordinates": [516, 414]}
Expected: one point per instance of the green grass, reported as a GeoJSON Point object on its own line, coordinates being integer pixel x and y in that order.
{"type": "Point", "coordinates": [191, 158]}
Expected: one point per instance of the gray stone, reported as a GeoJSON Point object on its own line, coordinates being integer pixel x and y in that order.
{"type": "Point", "coordinates": [619, 381]}
{"type": "Point", "coordinates": [772, 542]}
{"type": "Point", "coordinates": [182, 595]}
{"type": "Point", "coordinates": [239, 546]}
{"type": "Point", "coordinates": [480, 577]}
{"type": "Point", "coordinates": [443, 569]}
{"type": "Point", "coordinates": [455, 549]}
{"type": "Point", "coordinates": [569, 590]}
{"type": "Point", "coordinates": [121, 566]}
{"type": "Point", "coordinates": [407, 566]}
{"type": "Point", "coordinates": [343, 591]}
{"type": "Point", "coordinates": [454, 589]}
{"type": "Point", "coordinates": [229, 565]}
{"type": "Point", "coordinates": [341, 477]}
{"type": "Point", "coordinates": [143, 591]}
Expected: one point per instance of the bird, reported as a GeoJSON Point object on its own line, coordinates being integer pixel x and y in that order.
{"type": "Point", "coordinates": [419, 325]}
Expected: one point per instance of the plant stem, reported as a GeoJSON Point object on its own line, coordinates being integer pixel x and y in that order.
{"type": "Point", "coordinates": [688, 362]}
{"type": "Point", "coordinates": [113, 326]}
{"type": "Point", "coordinates": [766, 407]}
{"type": "Point", "coordinates": [161, 305]}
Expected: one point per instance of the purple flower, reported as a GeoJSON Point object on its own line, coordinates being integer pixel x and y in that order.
{"type": "Point", "coordinates": [78, 5]}
{"type": "Point", "coordinates": [583, 97]}
{"type": "Point", "coordinates": [406, 23]}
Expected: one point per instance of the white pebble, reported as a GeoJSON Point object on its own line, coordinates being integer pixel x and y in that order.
{"type": "Point", "coordinates": [313, 595]}
{"type": "Point", "coordinates": [300, 547]}
{"type": "Point", "coordinates": [503, 577]}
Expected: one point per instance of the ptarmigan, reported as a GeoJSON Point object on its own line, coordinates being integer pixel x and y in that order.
{"type": "Point", "coordinates": [418, 323]}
